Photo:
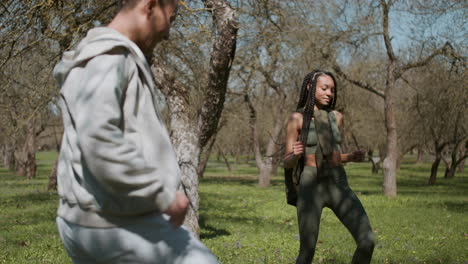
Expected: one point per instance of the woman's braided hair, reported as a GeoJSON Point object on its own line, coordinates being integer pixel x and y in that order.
{"type": "Point", "coordinates": [307, 100]}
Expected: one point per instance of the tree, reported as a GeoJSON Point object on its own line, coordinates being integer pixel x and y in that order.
{"type": "Point", "coordinates": [189, 137]}
{"type": "Point", "coordinates": [33, 35]}
{"type": "Point", "coordinates": [440, 112]}
{"type": "Point", "coordinates": [395, 68]}
{"type": "Point", "coordinates": [270, 64]}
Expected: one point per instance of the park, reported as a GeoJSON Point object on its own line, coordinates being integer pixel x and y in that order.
{"type": "Point", "coordinates": [226, 83]}
{"type": "Point", "coordinates": [243, 223]}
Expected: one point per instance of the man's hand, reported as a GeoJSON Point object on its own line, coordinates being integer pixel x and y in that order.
{"type": "Point", "coordinates": [178, 209]}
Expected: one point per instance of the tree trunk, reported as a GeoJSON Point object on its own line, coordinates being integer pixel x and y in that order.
{"type": "Point", "coordinates": [461, 166]}
{"type": "Point", "coordinates": [25, 158]}
{"type": "Point", "coordinates": [247, 156]}
{"type": "Point", "coordinates": [188, 156]}
{"type": "Point", "coordinates": [222, 56]}
{"type": "Point", "coordinates": [375, 161]}
{"type": "Point", "coordinates": [455, 158]}
{"type": "Point", "coordinates": [266, 165]}
{"type": "Point", "coordinates": [450, 172]}
{"type": "Point", "coordinates": [237, 157]}
{"type": "Point", "coordinates": [206, 158]}
{"type": "Point", "coordinates": [439, 148]}
{"type": "Point", "coordinates": [52, 185]}
{"type": "Point", "coordinates": [266, 170]}
{"type": "Point", "coordinates": [434, 168]}
{"type": "Point", "coordinates": [30, 152]}
{"type": "Point", "coordinates": [419, 158]}
{"type": "Point", "coordinates": [391, 159]}
{"type": "Point", "coordinates": [184, 136]}
{"type": "Point", "coordinates": [189, 138]}
{"type": "Point", "coordinates": [226, 161]}
{"type": "Point", "coordinates": [9, 157]}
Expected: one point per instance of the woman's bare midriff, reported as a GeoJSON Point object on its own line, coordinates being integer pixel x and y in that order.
{"type": "Point", "coordinates": [310, 160]}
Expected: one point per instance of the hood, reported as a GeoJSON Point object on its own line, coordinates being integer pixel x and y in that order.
{"type": "Point", "coordinates": [98, 41]}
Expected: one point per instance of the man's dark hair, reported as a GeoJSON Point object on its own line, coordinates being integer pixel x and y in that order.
{"type": "Point", "coordinates": [307, 100]}
{"type": "Point", "coordinates": [129, 4]}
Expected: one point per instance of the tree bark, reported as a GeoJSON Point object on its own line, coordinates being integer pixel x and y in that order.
{"type": "Point", "coordinates": [226, 161]}
{"type": "Point", "coordinates": [206, 157]}
{"type": "Point", "coordinates": [9, 157]}
{"type": "Point", "coordinates": [374, 161]}
{"type": "Point", "coordinates": [461, 166]}
{"type": "Point", "coordinates": [439, 148]}
{"type": "Point", "coordinates": [390, 161]}
{"type": "Point", "coordinates": [52, 185]}
{"type": "Point", "coordinates": [419, 158]}
{"type": "Point", "coordinates": [455, 162]}
{"type": "Point", "coordinates": [434, 168]}
{"type": "Point", "coordinates": [184, 138]}
{"type": "Point", "coordinates": [189, 138]}
{"type": "Point", "coordinates": [222, 56]}
{"type": "Point", "coordinates": [267, 165]}
{"type": "Point", "coordinates": [30, 152]}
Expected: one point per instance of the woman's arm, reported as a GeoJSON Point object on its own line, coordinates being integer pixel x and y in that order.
{"type": "Point", "coordinates": [355, 156]}
{"type": "Point", "coordinates": [294, 148]}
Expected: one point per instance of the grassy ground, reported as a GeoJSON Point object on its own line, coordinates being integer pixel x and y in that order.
{"type": "Point", "coordinates": [242, 223]}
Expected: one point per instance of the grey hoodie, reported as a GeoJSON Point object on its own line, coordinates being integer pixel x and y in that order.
{"type": "Point", "coordinates": [116, 161]}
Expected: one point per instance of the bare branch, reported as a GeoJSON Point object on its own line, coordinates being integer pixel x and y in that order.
{"type": "Point", "coordinates": [358, 83]}
{"type": "Point", "coordinates": [385, 24]}
{"type": "Point", "coordinates": [446, 50]}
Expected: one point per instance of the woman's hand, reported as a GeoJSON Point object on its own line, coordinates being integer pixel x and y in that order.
{"type": "Point", "coordinates": [290, 160]}
{"type": "Point", "coordinates": [298, 148]}
{"type": "Point", "coordinates": [357, 155]}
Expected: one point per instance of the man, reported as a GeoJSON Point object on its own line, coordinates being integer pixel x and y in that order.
{"type": "Point", "coordinates": [118, 175]}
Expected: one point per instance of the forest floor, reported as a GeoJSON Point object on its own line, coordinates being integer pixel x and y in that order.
{"type": "Point", "coordinates": [244, 223]}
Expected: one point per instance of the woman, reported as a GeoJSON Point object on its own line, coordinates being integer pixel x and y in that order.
{"type": "Point", "coordinates": [313, 137]}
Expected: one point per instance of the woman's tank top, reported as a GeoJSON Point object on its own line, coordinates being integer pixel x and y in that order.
{"type": "Point", "coordinates": [312, 141]}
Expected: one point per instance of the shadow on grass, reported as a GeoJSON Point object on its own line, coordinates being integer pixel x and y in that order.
{"type": "Point", "coordinates": [24, 184]}
{"type": "Point", "coordinates": [230, 180]}
{"type": "Point", "coordinates": [459, 207]}
{"type": "Point", "coordinates": [34, 197]}
{"type": "Point", "coordinates": [208, 231]}
{"type": "Point", "coordinates": [34, 208]}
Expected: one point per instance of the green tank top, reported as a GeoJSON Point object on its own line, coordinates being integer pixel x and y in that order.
{"type": "Point", "coordinates": [311, 145]}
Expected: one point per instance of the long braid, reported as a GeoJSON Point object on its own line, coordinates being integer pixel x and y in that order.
{"type": "Point", "coordinates": [304, 91]}
{"type": "Point", "coordinates": [309, 109]}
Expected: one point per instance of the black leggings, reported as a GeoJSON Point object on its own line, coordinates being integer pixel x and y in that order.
{"type": "Point", "coordinates": [331, 190]}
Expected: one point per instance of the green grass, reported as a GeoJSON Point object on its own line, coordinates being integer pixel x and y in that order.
{"type": "Point", "coordinates": [243, 223]}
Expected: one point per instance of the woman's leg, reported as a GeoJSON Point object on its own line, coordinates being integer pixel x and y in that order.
{"type": "Point", "coordinates": [351, 213]}
{"type": "Point", "coordinates": [309, 210]}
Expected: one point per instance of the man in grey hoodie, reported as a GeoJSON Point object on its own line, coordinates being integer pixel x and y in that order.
{"type": "Point", "coordinates": [118, 174]}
